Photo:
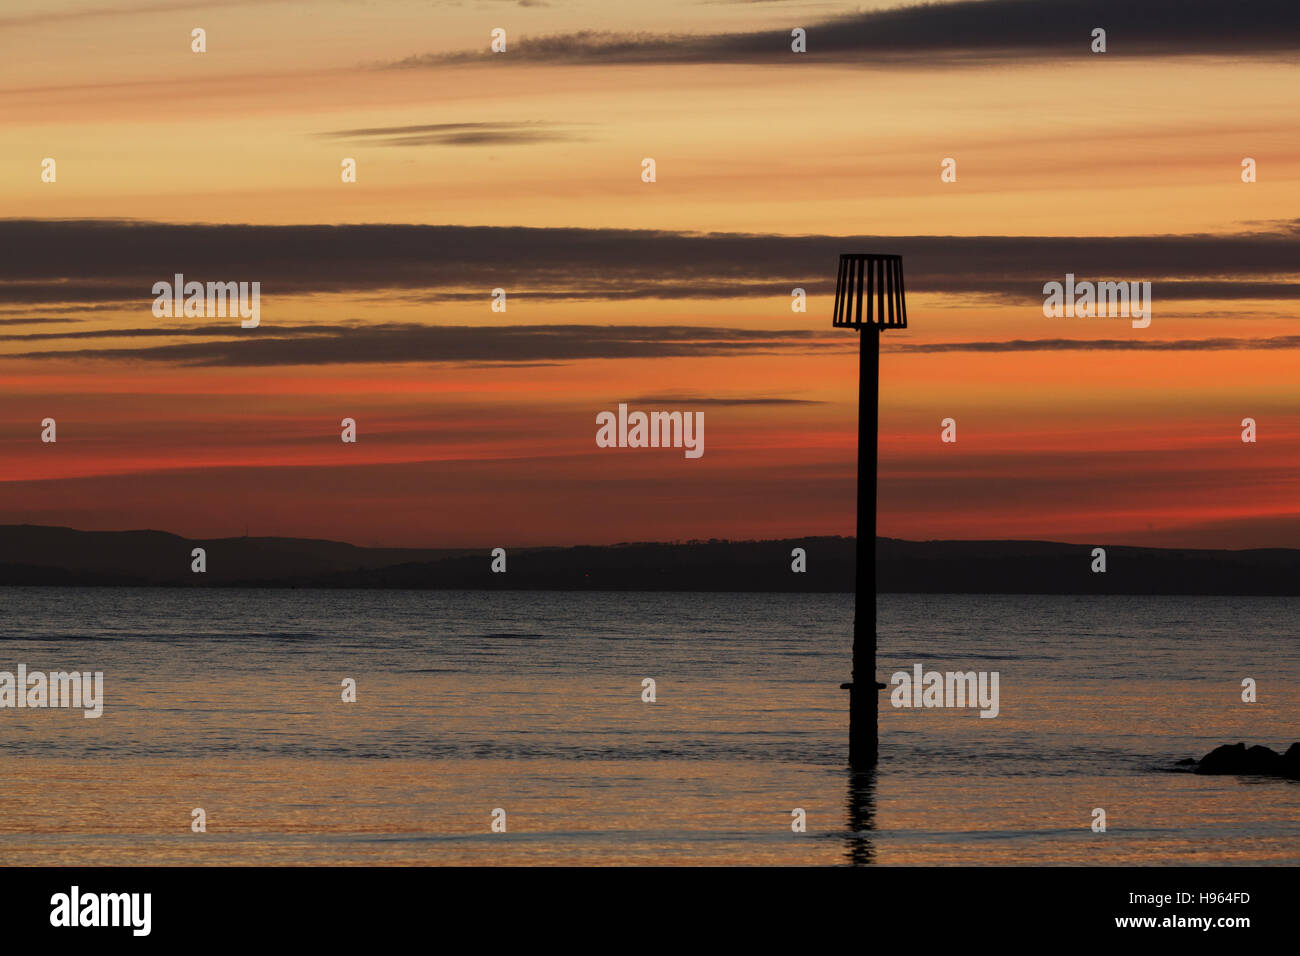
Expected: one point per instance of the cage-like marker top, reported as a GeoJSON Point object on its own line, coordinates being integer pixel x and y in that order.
{"type": "Point", "coordinates": [869, 292]}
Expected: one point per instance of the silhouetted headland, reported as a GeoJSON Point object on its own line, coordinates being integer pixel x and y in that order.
{"type": "Point", "coordinates": [44, 556]}
{"type": "Point", "coordinates": [37, 555]}
{"type": "Point", "coordinates": [1240, 759]}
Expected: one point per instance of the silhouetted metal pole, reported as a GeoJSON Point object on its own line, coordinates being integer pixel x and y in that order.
{"type": "Point", "coordinates": [863, 721]}
{"type": "Point", "coordinates": [876, 282]}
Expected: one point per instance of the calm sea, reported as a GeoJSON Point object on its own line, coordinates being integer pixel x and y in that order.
{"type": "Point", "coordinates": [230, 700]}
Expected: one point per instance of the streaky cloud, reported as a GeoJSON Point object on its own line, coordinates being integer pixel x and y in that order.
{"type": "Point", "coordinates": [394, 343]}
{"type": "Point", "coordinates": [1104, 345]}
{"type": "Point", "coordinates": [970, 31]}
{"type": "Point", "coordinates": [456, 134]}
{"type": "Point", "coordinates": [104, 260]}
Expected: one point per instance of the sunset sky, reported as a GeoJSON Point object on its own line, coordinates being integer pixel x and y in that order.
{"type": "Point", "coordinates": [522, 170]}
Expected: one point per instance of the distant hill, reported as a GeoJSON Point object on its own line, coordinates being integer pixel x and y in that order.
{"type": "Point", "coordinates": [155, 557]}
{"type": "Point", "coordinates": [32, 555]}
{"type": "Point", "coordinates": [1049, 567]}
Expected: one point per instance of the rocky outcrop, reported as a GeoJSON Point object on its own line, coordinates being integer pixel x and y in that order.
{"type": "Point", "coordinates": [1238, 758]}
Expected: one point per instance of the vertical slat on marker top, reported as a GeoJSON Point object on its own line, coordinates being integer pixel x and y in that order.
{"type": "Point", "coordinates": [839, 292]}
{"type": "Point", "coordinates": [887, 318]}
{"type": "Point", "coordinates": [880, 293]}
{"type": "Point", "coordinates": [856, 303]}
{"type": "Point", "coordinates": [865, 283]}
{"type": "Point", "coordinates": [846, 314]}
{"type": "Point", "coordinates": [902, 300]}
{"type": "Point", "coordinates": [873, 285]}
{"type": "Point", "coordinates": [850, 303]}
{"type": "Point", "coordinates": [893, 291]}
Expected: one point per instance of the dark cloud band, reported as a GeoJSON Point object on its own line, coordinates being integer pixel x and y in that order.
{"type": "Point", "coordinates": [477, 345]}
{"type": "Point", "coordinates": [96, 261]}
{"type": "Point", "coordinates": [972, 31]}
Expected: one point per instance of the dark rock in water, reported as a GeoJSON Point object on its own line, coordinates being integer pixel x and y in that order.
{"type": "Point", "coordinates": [1238, 758]}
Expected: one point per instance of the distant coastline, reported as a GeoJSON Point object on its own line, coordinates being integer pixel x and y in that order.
{"type": "Point", "coordinates": [34, 555]}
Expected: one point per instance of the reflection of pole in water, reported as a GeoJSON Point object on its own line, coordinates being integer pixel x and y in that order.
{"type": "Point", "coordinates": [862, 817]}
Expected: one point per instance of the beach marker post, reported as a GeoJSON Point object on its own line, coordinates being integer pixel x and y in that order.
{"type": "Point", "coordinates": [869, 299]}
